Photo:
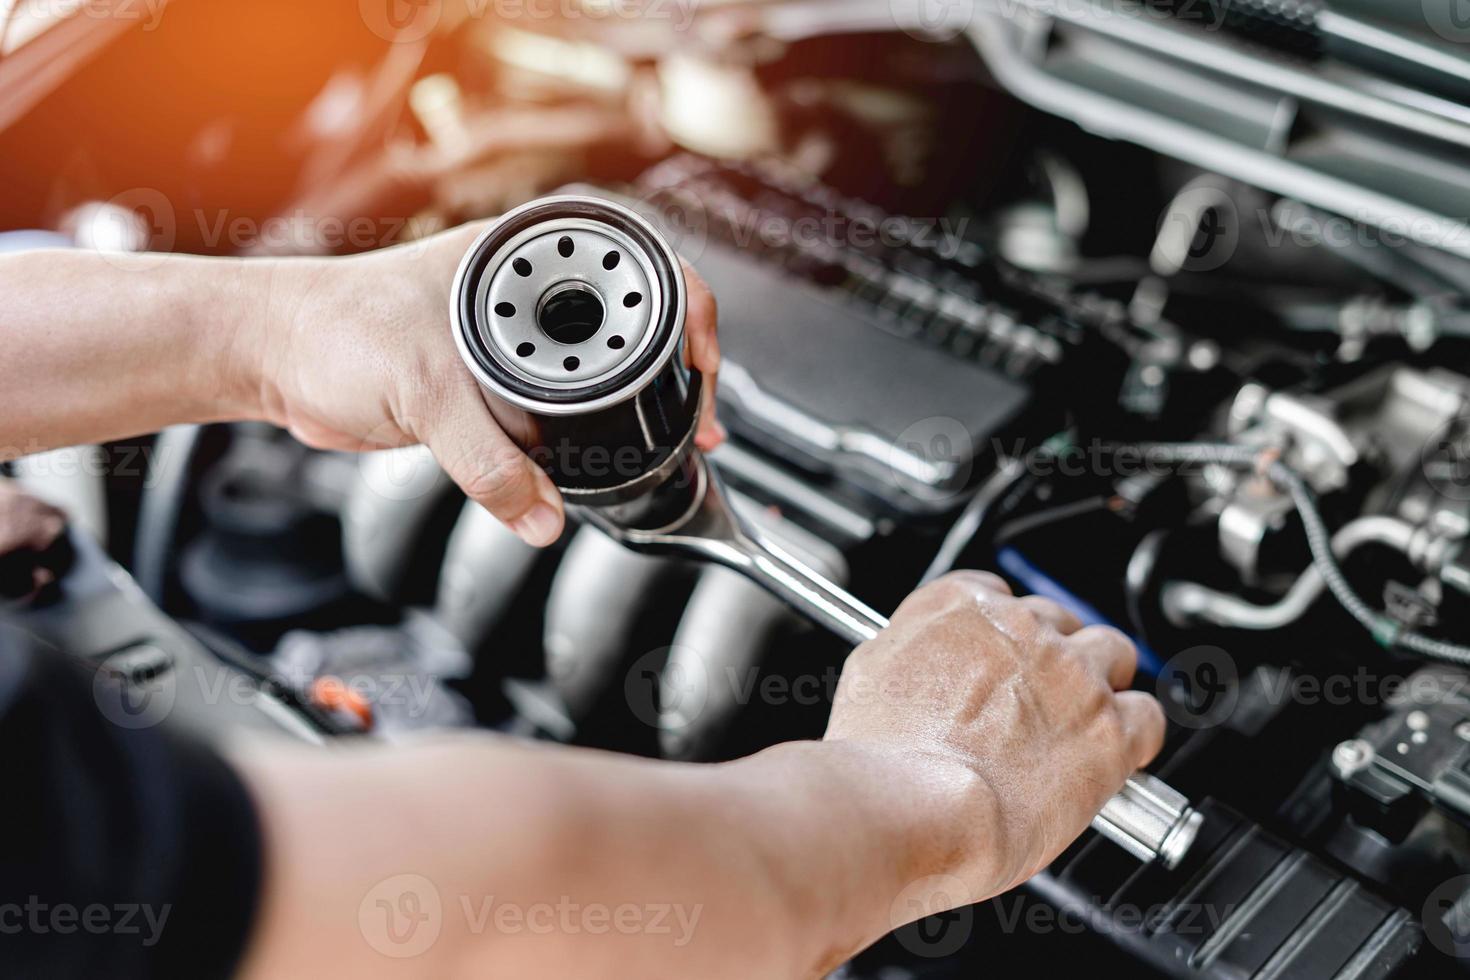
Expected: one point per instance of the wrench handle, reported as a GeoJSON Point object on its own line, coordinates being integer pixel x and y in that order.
{"type": "Point", "coordinates": [1147, 818]}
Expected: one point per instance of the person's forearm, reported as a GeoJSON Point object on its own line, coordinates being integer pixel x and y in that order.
{"type": "Point", "coordinates": [346, 353]}
{"type": "Point", "coordinates": [780, 865]}
{"type": "Point", "coordinates": [101, 346]}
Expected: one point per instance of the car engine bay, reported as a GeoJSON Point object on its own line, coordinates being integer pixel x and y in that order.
{"type": "Point", "coordinates": [1158, 309]}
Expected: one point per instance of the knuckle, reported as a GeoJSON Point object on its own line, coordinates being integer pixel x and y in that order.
{"type": "Point", "coordinates": [975, 578]}
{"type": "Point", "coordinates": [1041, 605]}
{"type": "Point", "coordinates": [1020, 620]}
{"type": "Point", "coordinates": [942, 593]}
{"type": "Point", "coordinates": [1047, 615]}
{"type": "Point", "coordinates": [954, 585]}
{"type": "Point", "coordinates": [1104, 635]}
{"type": "Point", "coordinates": [1055, 615]}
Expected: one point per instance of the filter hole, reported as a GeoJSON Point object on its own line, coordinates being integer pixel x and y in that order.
{"type": "Point", "coordinates": [632, 299]}
{"type": "Point", "coordinates": [565, 247]}
{"type": "Point", "coordinates": [571, 364]}
{"type": "Point", "coordinates": [526, 349]}
{"type": "Point", "coordinates": [505, 309]}
{"type": "Point", "coordinates": [570, 313]}
{"type": "Point", "coordinates": [522, 267]}
{"type": "Point", "coordinates": [610, 260]}
{"type": "Point", "coordinates": [616, 343]}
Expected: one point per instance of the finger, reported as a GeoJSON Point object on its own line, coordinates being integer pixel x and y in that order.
{"type": "Point", "coordinates": [1143, 721]}
{"type": "Point", "coordinates": [48, 526]}
{"type": "Point", "coordinates": [1109, 652]}
{"type": "Point", "coordinates": [493, 471]}
{"type": "Point", "coordinates": [711, 432]}
{"type": "Point", "coordinates": [701, 322]}
{"type": "Point", "coordinates": [703, 351]}
{"type": "Point", "coordinates": [27, 521]}
{"type": "Point", "coordinates": [1052, 613]}
{"type": "Point", "coordinates": [41, 523]}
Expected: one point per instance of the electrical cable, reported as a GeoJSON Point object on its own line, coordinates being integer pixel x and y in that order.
{"type": "Point", "coordinates": [1384, 629]}
{"type": "Point", "coordinates": [1047, 517]}
{"type": "Point", "coordinates": [999, 493]}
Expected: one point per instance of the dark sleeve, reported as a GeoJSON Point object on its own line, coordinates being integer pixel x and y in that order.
{"type": "Point", "coordinates": [126, 852]}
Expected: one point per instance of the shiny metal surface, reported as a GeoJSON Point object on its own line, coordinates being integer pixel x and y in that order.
{"type": "Point", "coordinates": [555, 259]}
{"type": "Point", "coordinates": [541, 383]}
{"type": "Point", "coordinates": [1147, 818]}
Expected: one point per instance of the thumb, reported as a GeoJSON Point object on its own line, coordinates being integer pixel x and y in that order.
{"type": "Point", "coordinates": [493, 471]}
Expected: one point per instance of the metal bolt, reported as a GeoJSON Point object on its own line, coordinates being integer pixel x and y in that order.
{"type": "Point", "coordinates": [1350, 756]}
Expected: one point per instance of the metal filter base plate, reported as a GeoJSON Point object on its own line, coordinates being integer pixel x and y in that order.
{"type": "Point", "coordinates": [569, 305]}
{"type": "Point", "coordinates": [564, 263]}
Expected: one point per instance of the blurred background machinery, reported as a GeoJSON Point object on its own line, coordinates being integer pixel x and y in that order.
{"type": "Point", "coordinates": [972, 261]}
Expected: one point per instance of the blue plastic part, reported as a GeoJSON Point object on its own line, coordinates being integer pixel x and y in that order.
{"type": "Point", "coordinates": [1037, 582]}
